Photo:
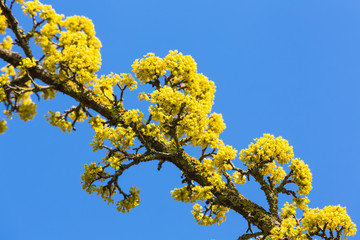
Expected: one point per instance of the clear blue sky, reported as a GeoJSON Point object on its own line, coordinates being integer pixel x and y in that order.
{"type": "Point", "coordinates": [290, 68]}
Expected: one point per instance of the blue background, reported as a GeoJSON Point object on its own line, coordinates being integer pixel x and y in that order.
{"type": "Point", "coordinates": [290, 68]}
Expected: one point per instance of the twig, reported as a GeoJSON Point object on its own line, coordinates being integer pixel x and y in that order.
{"type": "Point", "coordinates": [249, 235]}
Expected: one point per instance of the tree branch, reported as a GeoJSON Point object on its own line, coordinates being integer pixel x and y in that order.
{"type": "Point", "coordinates": [250, 235]}
{"type": "Point", "coordinates": [22, 41]}
{"type": "Point", "coordinates": [192, 169]}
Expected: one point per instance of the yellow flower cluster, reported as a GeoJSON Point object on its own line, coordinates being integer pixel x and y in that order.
{"type": "Point", "coordinates": [200, 87]}
{"type": "Point", "coordinates": [2, 92]}
{"type": "Point", "coordinates": [212, 173]}
{"type": "Point", "coordinates": [143, 96]}
{"type": "Point", "coordinates": [288, 211]}
{"type": "Point", "coordinates": [48, 94]}
{"type": "Point", "coordinates": [182, 68]}
{"type": "Point", "coordinates": [290, 227]}
{"type": "Point", "coordinates": [3, 23]}
{"type": "Point", "coordinates": [184, 71]}
{"type": "Point", "coordinates": [27, 109]}
{"type": "Point", "coordinates": [216, 123]}
{"type": "Point", "coordinates": [268, 154]}
{"type": "Point", "coordinates": [302, 176]}
{"type": "Point", "coordinates": [179, 65]}
{"type": "Point", "coordinates": [154, 131]}
{"type": "Point", "coordinates": [105, 194]}
{"type": "Point", "coordinates": [167, 104]}
{"type": "Point", "coordinates": [314, 222]}
{"type": "Point", "coordinates": [185, 98]}
{"type": "Point", "coordinates": [119, 136]}
{"type": "Point", "coordinates": [169, 101]}
{"type": "Point", "coordinates": [130, 202]}
{"type": "Point", "coordinates": [79, 52]}
{"type": "Point", "coordinates": [78, 115]}
{"type": "Point", "coordinates": [91, 174]}
{"type": "Point", "coordinates": [96, 173]}
{"type": "Point", "coordinates": [7, 43]}
{"type": "Point", "coordinates": [52, 55]}
{"type": "Point", "coordinates": [334, 218]}
{"type": "Point", "coordinates": [46, 38]}
{"type": "Point", "coordinates": [27, 63]}
{"type": "Point", "coordinates": [301, 202]}
{"type": "Point", "coordinates": [5, 79]}
{"type": "Point", "coordinates": [277, 172]}
{"type": "Point", "coordinates": [287, 230]}
{"type": "Point", "coordinates": [32, 7]}
{"type": "Point", "coordinates": [239, 178]}
{"type": "Point", "coordinates": [223, 156]}
{"type": "Point", "coordinates": [81, 49]}
{"type": "Point", "coordinates": [8, 114]}
{"type": "Point", "coordinates": [203, 219]}
{"type": "Point", "coordinates": [57, 120]}
{"type": "Point", "coordinates": [265, 153]}
{"type": "Point", "coordinates": [114, 159]}
{"type": "Point", "coordinates": [104, 87]}
{"type": "Point", "coordinates": [265, 149]}
{"type": "Point", "coordinates": [24, 65]}
{"type": "Point", "coordinates": [128, 81]}
{"type": "Point", "coordinates": [199, 193]}
{"type": "Point", "coordinates": [148, 68]}
{"type": "Point", "coordinates": [193, 194]}
{"type": "Point", "coordinates": [3, 126]}
{"type": "Point", "coordinates": [133, 116]}
{"type": "Point", "coordinates": [208, 138]}
{"type": "Point", "coordinates": [210, 134]}
{"type": "Point", "coordinates": [49, 14]}
{"type": "Point", "coordinates": [10, 71]}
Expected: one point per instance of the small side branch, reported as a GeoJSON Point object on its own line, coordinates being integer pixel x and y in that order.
{"type": "Point", "coordinates": [287, 192]}
{"type": "Point", "coordinates": [205, 155]}
{"type": "Point", "coordinates": [285, 180]}
{"type": "Point", "coordinates": [250, 235]}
